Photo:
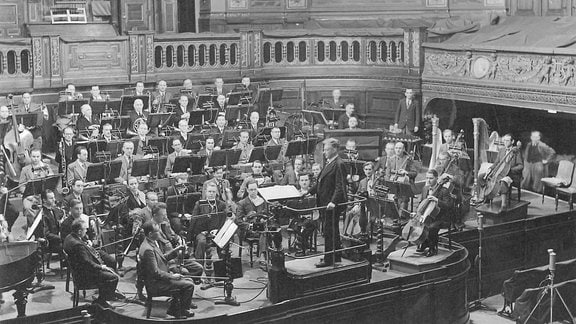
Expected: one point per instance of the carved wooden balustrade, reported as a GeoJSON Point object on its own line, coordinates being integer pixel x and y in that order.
{"type": "Point", "coordinates": [16, 63]}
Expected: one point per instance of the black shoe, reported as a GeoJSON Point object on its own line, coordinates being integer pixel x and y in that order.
{"type": "Point", "coordinates": [103, 303]}
{"type": "Point", "coordinates": [323, 264]}
{"type": "Point", "coordinates": [176, 314]}
{"type": "Point", "coordinates": [141, 296]}
{"type": "Point", "coordinates": [193, 306]}
{"type": "Point", "coordinates": [421, 249]}
{"type": "Point", "coordinates": [432, 252]}
{"type": "Point", "coordinates": [188, 313]}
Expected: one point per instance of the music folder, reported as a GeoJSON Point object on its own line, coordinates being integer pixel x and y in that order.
{"type": "Point", "coordinates": [193, 162]}
{"type": "Point", "coordinates": [225, 233]}
{"type": "Point", "coordinates": [98, 106]}
{"type": "Point", "coordinates": [158, 119]}
{"type": "Point", "coordinates": [233, 156]}
{"type": "Point", "coordinates": [218, 158]}
{"type": "Point", "coordinates": [160, 143]}
{"type": "Point", "coordinates": [95, 172]}
{"type": "Point", "coordinates": [235, 113]}
{"type": "Point", "coordinates": [114, 147]}
{"type": "Point", "coordinates": [27, 119]}
{"type": "Point", "coordinates": [140, 167]}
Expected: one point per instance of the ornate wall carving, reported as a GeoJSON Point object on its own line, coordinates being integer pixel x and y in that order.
{"type": "Point", "coordinates": [55, 55]}
{"type": "Point", "coordinates": [150, 53]}
{"type": "Point", "coordinates": [134, 55]}
{"type": "Point", "coordinates": [37, 56]}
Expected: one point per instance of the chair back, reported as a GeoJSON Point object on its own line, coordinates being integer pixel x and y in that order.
{"type": "Point", "coordinates": [76, 278]}
{"type": "Point", "coordinates": [573, 180]}
{"type": "Point", "coordinates": [566, 172]}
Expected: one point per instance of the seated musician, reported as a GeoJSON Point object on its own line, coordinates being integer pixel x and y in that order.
{"type": "Point", "coordinates": [353, 123]}
{"type": "Point", "coordinates": [292, 173]}
{"type": "Point", "coordinates": [246, 85]}
{"type": "Point", "coordinates": [41, 112]}
{"type": "Point", "coordinates": [512, 156]}
{"type": "Point", "coordinates": [275, 140]}
{"type": "Point", "coordinates": [143, 138]}
{"type": "Point", "coordinates": [365, 189]}
{"type": "Point", "coordinates": [257, 174]}
{"type": "Point", "coordinates": [208, 149]}
{"type": "Point", "coordinates": [49, 227]}
{"type": "Point", "coordinates": [208, 215]}
{"type": "Point", "coordinates": [178, 151]}
{"type": "Point", "coordinates": [95, 94]}
{"type": "Point", "coordinates": [158, 279]}
{"type": "Point", "coordinates": [181, 112]}
{"type": "Point", "coordinates": [88, 263]}
{"type": "Point", "coordinates": [78, 168]}
{"type": "Point", "coordinates": [161, 96]}
{"type": "Point", "coordinates": [66, 146]}
{"type": "Point", "coordinates": [35, 170]}
{"type": "Point", "coordinates": [221, 103]}
{"type": "Point", "coordinates": [127, 159]}
{"type": "Point", "coordinates": [221, 125]}
{"type": "Point", "coordinates": [308, 225]}
{"type": "Point", "coordinates": [136, 198]}
{"type": "Point", "coordinates": [247, 209]}
{"type": "Point", "coordinates": [77, 192]}
{"type": "Point", "coordinates": [87, 125]}
{"type": "Point", "coordinates": [219, 88]}
{"type": "Point", "coordinates": [139, 89]}
{"type": "Point", "coordinates": [343, 119]}
{"type": "Point", "coordinates": [145, 214]}
{"type": "Point", "coordinates": [168, 239]}
{"type": "Point", "coordinates": [137, 116]}
{"type": "Point", "coordinates": [445, 202]}
{"type": "Point", "coordinates": [107, 133]}
{"type": "Point", "coordinates": [400, 168]}
{"type": "Point", "coordinates": [188, 88]}
{"type": "Point", "coordinates": [182, 132]}
{"type": "Point", "coordinates": [380, 166]}
{"type": "Point", "coordinates": [181, 186]}
{"type": "Point", "coordinates": [449, 142]}
{"type": "Point", "coordinates": [255, 127]}
{"type": "Point", "coordinates": [70, 93]}
{"type": "Point", "coordinates": [316, 170]}
{"type": "Point", "coordinates": [245, 146]}
{"type": "Point", "coordinates": [223, 185]}
{"type": "Point", "coordinates": [5, 122]}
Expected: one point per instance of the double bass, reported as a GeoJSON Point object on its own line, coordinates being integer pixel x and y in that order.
{"type": "Point", "coordinates": [17, 146]}
{"type": "Point", "coordinates": [497, 172]}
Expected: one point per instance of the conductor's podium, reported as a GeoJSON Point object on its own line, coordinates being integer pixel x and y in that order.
{"type": "Point", "coordinates": [494, 214]}
{"type": "Point", "coordinates": [300, 277]}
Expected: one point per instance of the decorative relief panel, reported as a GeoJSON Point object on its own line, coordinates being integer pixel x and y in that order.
{"type": "Point", "coordinates": [149, 53]}
{"type": "Point", "coordinates": [98, 57]}
{"type": "Point", "coordinates": [134, 53]}
{"type": "Point", "coordinates": [37, 56]}
{"type": "Point", "coordinates": [55, 55]}
{"type": "Point", "coordinates": [530, 69]}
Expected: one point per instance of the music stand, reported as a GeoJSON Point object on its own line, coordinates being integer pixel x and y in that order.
{"type": "Point", "coordinates": [193, 162]}
{"type": "Point", "coordinates": [114, 147]}
{"type": "Point", "coordinates": [160, 143]}
{"type": "Point", "coordinates": [158, 119]}
{"type": "Point", "coordinates": [272, 152]}
{"type": "Point", "coordinates": [140, 167]}
{"type": "Point", "coordinates": [37, 186]}
{"type": "Point", "coordinates": [269, 96]}
{"type": "Point", "coordinates": [401, 190]}
{"type": "Point", "coordinates": [118, 122]}
{"type": "Point", "coordinates": [127, 103]}
{"type": "Point", "coordinates": [157, 166]}
{"type": "Point", "coordinates": [182, 204]}
{"type": "Point", "coordinates": [95, 172]}
{"type": "Point", "coordinates": [332, 114]}
{"type": "Point", "coordinates": [98, 107]}
{"type": "Point", "coordinates": [257, 154]}
{"type": "Point", "coordinates": [268, 130]}
{"type": "Point", "coordinates": [229, 137]}
{"type": "Point", "coordinates": [236, 112]}
{"type": "Point", "coordinates": [69, 107]}
{"type": "Point", "coordinates": [222, 240]}
{"type": "Point", "coordinates": [314, 117]}
{"type": "Point", "coordinates": [233, 156]}
{"type": "Point", "coordinates": [28, 119]}
{"type": "Point", "coordinates": [197, 117]}
{"type": "Point", "coordinates": [218, 158]}
{"type": "Point", "coordinates": [112, 170]}
{"type": "Point", "coordinates": [297, 147]}
{"type": "Point", "coordinates": [93, 147]}
{"type": "Point", "coordinates": [205, 99]}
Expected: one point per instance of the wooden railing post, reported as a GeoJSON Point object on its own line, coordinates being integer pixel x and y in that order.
{"type": "Point", "coordinates": [250, 48]}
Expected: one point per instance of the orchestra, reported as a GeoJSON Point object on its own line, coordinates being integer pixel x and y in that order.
{"type": "Point", "coordinates": [175, 248]}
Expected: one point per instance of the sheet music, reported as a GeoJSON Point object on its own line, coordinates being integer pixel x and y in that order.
{"type": "Point", "coordinates": [225, 234]}
{"type": "Point", "coordinates": [279, 192]}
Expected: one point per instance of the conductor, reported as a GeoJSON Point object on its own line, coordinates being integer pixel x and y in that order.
{"type": "Point", "coordinates": [330, 190]}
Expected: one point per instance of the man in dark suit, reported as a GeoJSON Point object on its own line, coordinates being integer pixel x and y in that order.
{"type": "Point", "coordinates": [85, 123]}
{"type": "Point", "coordinates": [137, 116]}
{"type": "Point", "coordinates": [408, 114]}
{"type": "Point", "coordinates": [344, 118]}
{"type": "Point", "coordinates": [77, 192]}
{"type": "Point", "coordinates": [78, 168]}
{"type": "Point", "coordinates": [161, 97]}
{"type": "Point", "coordinates": [181, 112]}
{"type": "Point", "coordinates": [88, 263]}
{"type": "Point", "coordinates": [158, 279]}
{"type": "Point", "coordinates": [330, 191]}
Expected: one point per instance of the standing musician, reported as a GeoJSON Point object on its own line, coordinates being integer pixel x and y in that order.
{"type": "Point", "coordinates": [511, 156]}
{"type": "Point", "coordinates": [344, 118]}
{"type": "Point", "coordinates": [78, 168]}
{"type": "Point", "coordinates": [408, 115]}
{"type": "Point", "coordinates": [245, 146]}
{"type": "Point", "coordinates": [87, 123]}
{"type": "Point", "coordinates": [257, 174]}
{"type": "Point", "coordinates": [67, 146]}
{"type": "Point", "coordinates": [77, 192]}
{"type": "Point", "coordinates": [178, 151]}
{"type": "Point", "coordinates": [35, 170]}
{"type": "Point", "coordinates": [161, 97]}
{"type": "Point", "coordinates": [536, 157]}
{"type": "Point", "coordinates": [158, 279]}
{"type": "Point", "coordinates": [136, 198]}
{"type": "Point", "coordinates": [137, 116]}
{"type": "Point", "coordinates": [331, 191]}
{"type": "Point", "coordinates": [400, 168]}
{"type": "Point", "coordinates": [107, 133]}
{"type": "Point", "coordinates": [207, 215]}
{"type": "Point", "coordinates": [89, 264]}
{"type": "Point", "coordinates": [335, 102]}
{"type": "Point", "coordinates": [248, 208]}
{"type": "Point", "coordinates": [127, 159]}
{"type": "Point", "coordinates": [438, 190]}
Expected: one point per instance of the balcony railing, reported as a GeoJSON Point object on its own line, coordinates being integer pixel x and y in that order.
{"type": "Point", "coordinates": [15, 62]}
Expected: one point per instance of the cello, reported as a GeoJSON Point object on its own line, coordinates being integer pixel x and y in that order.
{"type": "Point", "coordinates": [18, 144]}
{"type": "Point", "coordinates": [496, 173]}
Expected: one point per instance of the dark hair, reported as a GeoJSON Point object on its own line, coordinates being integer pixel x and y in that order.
{"type": "Point", "coordinates": [77, 225]}
{"type": "Point", "coordinates": [75, 202]}
{"type": "Point", "coordinates": [251, 181]}
{"type": "Point", "coordinates": [256, 161]}
{"type": "Point", "coordinates": [148, 227]}
{"type": "Point", "coordinates": [80, 148]}
{"type": "Point", "coordinates": [46, 192]}
{"type": "Point", "coordinates": [76, 180]}
{"type": "Point", "coordinates": [433, 172]}
{"type": "Point", "coordinates": [156, 208]}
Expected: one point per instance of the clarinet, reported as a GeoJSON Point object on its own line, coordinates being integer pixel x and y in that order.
{"type": "Point", "coordinates": [65, 189]}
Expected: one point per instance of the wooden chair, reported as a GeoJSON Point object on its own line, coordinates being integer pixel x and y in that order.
{"type": "Point", "coordinates": [570, 192]}
{"type": "Point", "coordinates": [78, 283]}
{"type": "Point", "coordinates": [563, 177]}
{"type": "Point", "coordinates": [149, 295]}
